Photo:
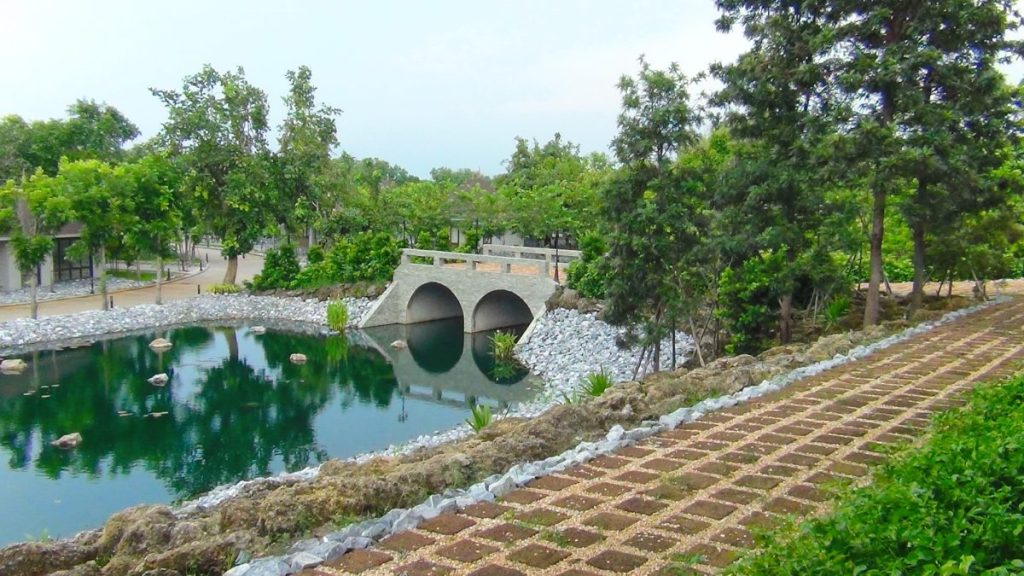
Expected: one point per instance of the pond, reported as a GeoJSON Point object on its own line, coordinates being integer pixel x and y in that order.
{"type": "Point", "coordinates": [234, 408]}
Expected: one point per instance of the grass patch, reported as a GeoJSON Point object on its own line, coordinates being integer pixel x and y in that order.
{"type": "Point", "coordinates": [556, 538]}
{"type": "Point", "coordinates": [337, 315]}
{"type": "Point", "coordinates": [225, 289]}
{"type": "Point", "coordinates": [953, 506]}
{"type": "Point", "coordinates": [143, 276]}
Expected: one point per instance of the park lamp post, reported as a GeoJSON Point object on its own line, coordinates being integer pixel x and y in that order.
{"type": "Point", "coordinates": [557, 234]}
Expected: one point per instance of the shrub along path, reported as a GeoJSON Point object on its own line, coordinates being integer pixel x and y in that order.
{"type": "Point", "coordinates": [685, 501]}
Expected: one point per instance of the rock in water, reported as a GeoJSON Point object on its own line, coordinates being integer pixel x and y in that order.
{"type": "Point", "coordinates": [297, 358]}
{"type": "Point", "coordinates": [68, 441]}
{"type": "Point", "coordinates": [13, 365]}
{"type": "Point", "coordinates": [159, 379]}
{"type": "Point", "coordinates": [258, 330]}
{"type": "Point", "coordinates": [161, 344]}
{"type": "Point", "coordinates": [399, 345]}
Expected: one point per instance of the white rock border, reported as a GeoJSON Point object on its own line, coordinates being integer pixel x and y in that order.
{"type": "Point", "coordinates": [314, 551]}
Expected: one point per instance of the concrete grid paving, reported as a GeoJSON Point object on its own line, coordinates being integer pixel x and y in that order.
{"type": "Point", "coordinates": [686, 501]}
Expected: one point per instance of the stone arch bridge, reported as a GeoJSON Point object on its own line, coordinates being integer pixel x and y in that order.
{"type": "Point", "coordinates": [504, 286]}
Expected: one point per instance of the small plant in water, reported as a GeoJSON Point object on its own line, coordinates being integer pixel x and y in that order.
{"type": "Point", "coordinates": [836, 309]}
{"type": "Point", "coordinates": [597, 383]}
{"type": "Point", "coordinates": [503, 346]}
{"type": "Point", "coordinates": [480, 417]}
{"type": "Point", "coordinates": [337, 316]}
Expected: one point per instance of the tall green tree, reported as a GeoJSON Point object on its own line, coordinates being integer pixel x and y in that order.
{"type": "Point", "coordinates": [156, 211]}
{"type": "Point", "coordinates": [648, 216]}
{"type": "Point", "coordinates": [217, 125]}
{"type": "Point", "coordinates": [307, 137]}
{"type": "Point", "coordinates": [902, 61]}
{"type": "Point", "coordinates": [779, 99]}
{"type": "Point", "coordinates": [101, 200]}
{"type": "Point", "coordinates": [32, 210]}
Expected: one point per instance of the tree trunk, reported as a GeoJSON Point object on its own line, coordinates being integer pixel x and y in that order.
{"type": "Point", "coordinates": [232, 271]}
{"type": "Point", "coordinates": [103, 278]}
{"type": "Point", "coordinates": [920, 273]}
{"type": "Point", "coordinates": [786, 318]}
{"type": "Point", "coordinates": [159, 279]}
{"type": "Point", "coordinates": [697, 340]}
{"type": "Point", "coordinates": [673, 346]}
{"type": "Point", "coordinates": [873, 306]}
{"type": "Point", "coordinates": [33, 290]}
{"type": "Point", "coordinates": [312, 238]}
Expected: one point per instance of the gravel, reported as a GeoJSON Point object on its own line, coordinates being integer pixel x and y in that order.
{"type": "Point", "coordinates": [25, 334]}
{"type": "Point", "coordinates": [68, 290]}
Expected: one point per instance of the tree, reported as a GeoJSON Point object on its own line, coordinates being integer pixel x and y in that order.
{"type": "Point", "coordinates": [548, 189]}
{"type": "Point", "coordinates": [649, 218]}
{"type": "Point", "coordinates": [903, 58]}
{"type": "Point", "coordinates": [779, 100]}
{"type": "Point", "coordinates": [156, 214]}
{"type": "Point", "coordinates": [96, 131]}
{"type": "Point", "coordinates": [101, 200]}
{"type": "Point", "coordinates": [217, 125]}
{"type": "Point", "coordinates": [32, 210]}
{"type": "Point", "coordinates": [307, 136]}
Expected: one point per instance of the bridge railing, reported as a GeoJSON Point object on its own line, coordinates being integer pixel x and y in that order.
{"type": "Point", "coordinates": [472, 261]}
{"type": "Point", "coordinates": [530, 253]}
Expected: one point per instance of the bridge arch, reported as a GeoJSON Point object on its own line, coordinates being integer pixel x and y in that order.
{"type": "Point", "coordinates": [500, 309]}
{"type": "Point", "coordinates": [432, 301]}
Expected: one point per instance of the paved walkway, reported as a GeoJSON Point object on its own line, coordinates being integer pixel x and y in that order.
{"type": "Point", "coordinates": [683, 502]}
{"type": "Point", "coordinates": [175, 290]}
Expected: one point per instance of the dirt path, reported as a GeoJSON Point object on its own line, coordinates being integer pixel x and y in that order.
{"type": "Point", "coordinates": [176, 290]}
{"type": "Point", "coordinates": [695, 492]}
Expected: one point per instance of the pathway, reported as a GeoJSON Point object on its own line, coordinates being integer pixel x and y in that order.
{"type": "Point", "coordinates": [695, 492]}
{"type": "Point", "coordinates": [180, 289]}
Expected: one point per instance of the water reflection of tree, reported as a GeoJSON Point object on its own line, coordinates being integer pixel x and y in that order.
{"type": "Point", "coordinates": [239, 421]}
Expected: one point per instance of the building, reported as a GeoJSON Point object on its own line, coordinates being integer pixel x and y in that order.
{"type": "Point", "coordinates": [59, 267]}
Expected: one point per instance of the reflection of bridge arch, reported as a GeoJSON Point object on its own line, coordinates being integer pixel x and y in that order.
{"type": "Point", "coordinates": [432, 346]}
{"type": "Point", "coordinates": [432, 301]}
{"type": "Point", "coordinates": [500, 309]}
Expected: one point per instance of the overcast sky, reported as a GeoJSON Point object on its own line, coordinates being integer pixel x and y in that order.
{"type": "Point", "coordinates": [422, 84]}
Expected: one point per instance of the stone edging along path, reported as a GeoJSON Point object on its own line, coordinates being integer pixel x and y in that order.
{"type": "Point", "coordinates": [344, 549]}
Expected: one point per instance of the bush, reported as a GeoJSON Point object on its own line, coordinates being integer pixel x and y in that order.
{"type": "Point", "coordinates": [898, 270]}
{"type": "Point", "coordinates": [470, 241]}
{"type": "Point", "coordinates": [836, 309]}
{"type": "Point", "coordinates": [314, 255]}
{"type": "Point", "coordinates": [747, 301]}
{"type": "Point", "coordinates": [366, 256]}
{"type": "Point", "coordinates": [337, 316]}
{"type": "Point", "coordinates": [362, 257]}
{"type": "Point", "coordinates": [280, 268]}
{"type": "Point", "coordinates": [590, 274]}
{"type": "Point", "coordinates": [953, 506]}
{"type": "Point", "coordinates": [225, 289]}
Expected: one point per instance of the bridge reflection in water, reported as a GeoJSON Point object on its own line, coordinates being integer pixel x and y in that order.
{"type": "Point", "coordinates": [435, 368]}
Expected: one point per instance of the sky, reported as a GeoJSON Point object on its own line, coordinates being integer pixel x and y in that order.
{"type": "Point", "coordinates": [422, 84]}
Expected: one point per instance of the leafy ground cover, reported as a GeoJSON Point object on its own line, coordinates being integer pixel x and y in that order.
{"type": "Point", "coordinates": [954, 506]}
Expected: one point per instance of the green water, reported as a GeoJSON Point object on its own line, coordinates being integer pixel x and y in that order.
{"type": "Point", "coordinates": [235, 408]}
